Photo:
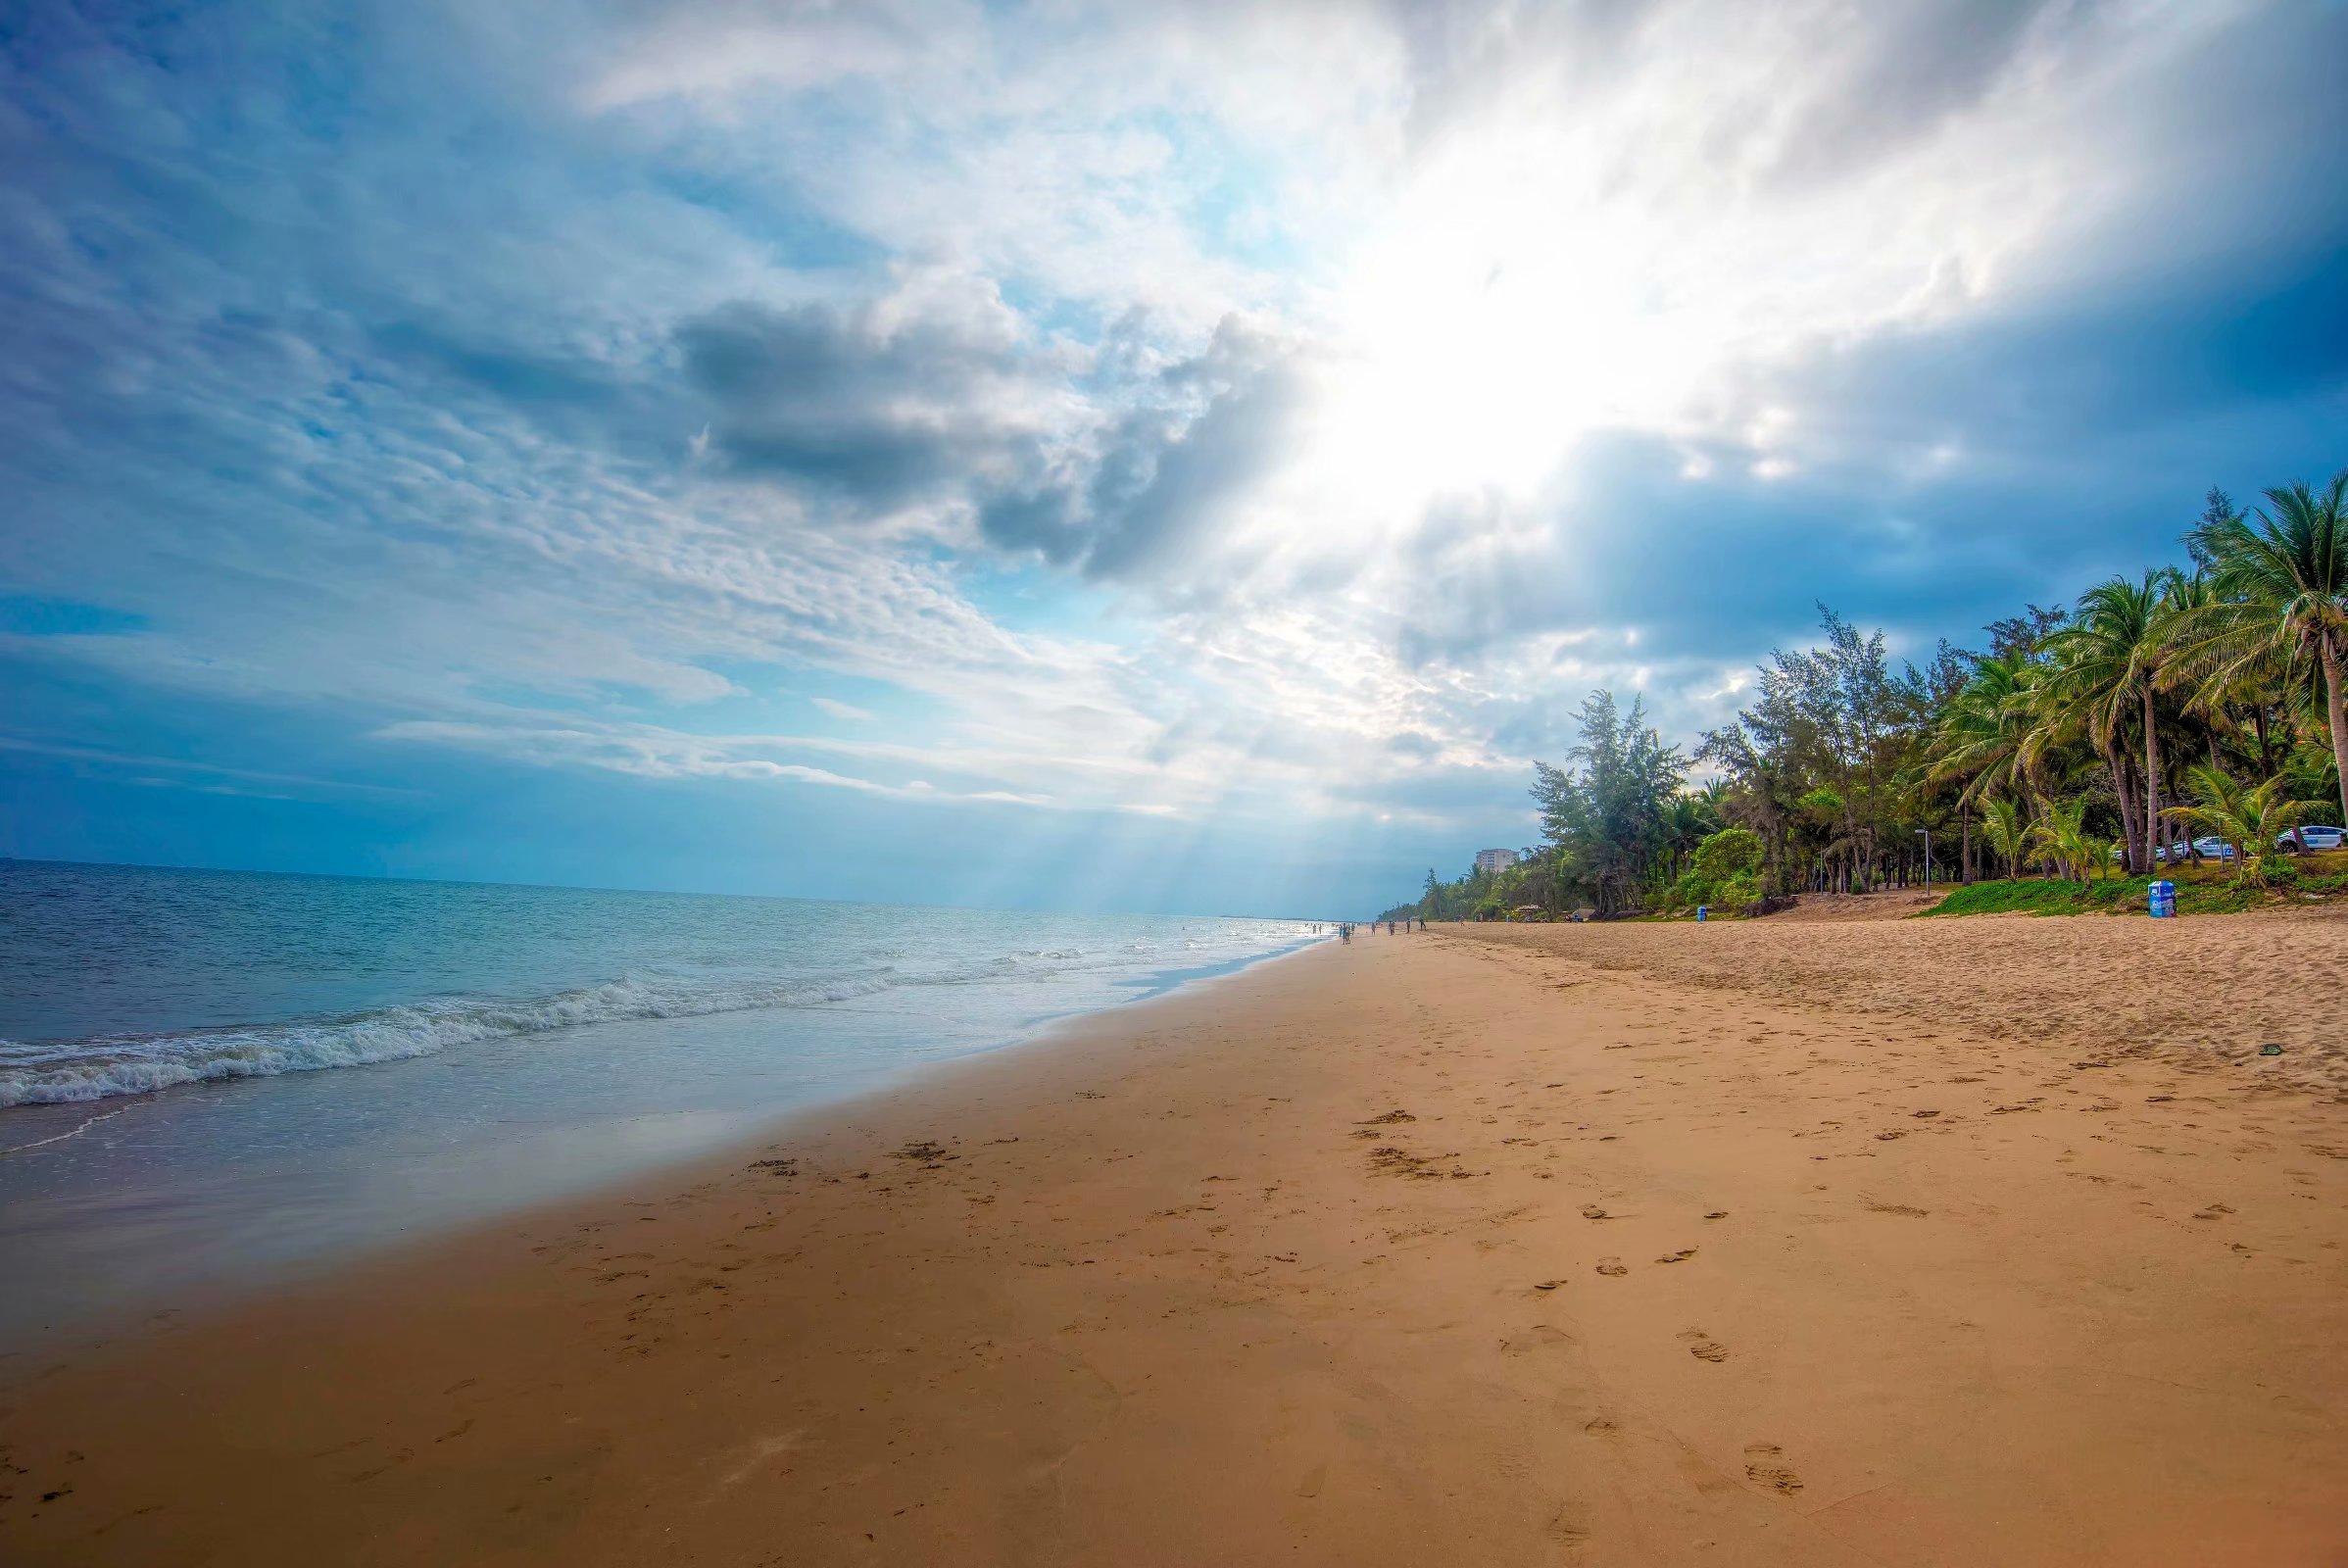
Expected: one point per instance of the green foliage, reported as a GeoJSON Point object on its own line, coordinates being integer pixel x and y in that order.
{"type": "Point", "coordinates": [2278, 601]}
{"type": "Point", "coordinates": [1732, 852]}
{"type": "Point", "coordinates": [2247, 817]}
{"type": "Point", "coordinates": [2006, 831]}
{"type": "Point", "coordinates": [1826, 802]}
{"type": "Point", "coordinates": [2312, 777]}
{"type": "Point", "coordinates": [1605, 819]}
{"type": "Point", "coordinates": [1737, 892]}
{"type": "Point", "coordinates": [1980, 732]}
{"type": "Point", "coordinates": [1824, 764]}
{"type": "Point", "coordinates": [2062, 836]}
{"type": "Point", "coordinates": [1724, 871]}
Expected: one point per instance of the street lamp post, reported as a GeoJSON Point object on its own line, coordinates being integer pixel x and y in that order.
{"type": "Point", "coordinates": [1926, 834]}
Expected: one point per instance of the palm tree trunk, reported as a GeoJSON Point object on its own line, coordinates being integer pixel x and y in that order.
{"type": "Point", "coordinates": [2139, 849]}
{"type": "Point", "coordinates": [2335, 703]}
{"type": "Point", "coordinates": [2152, 773]}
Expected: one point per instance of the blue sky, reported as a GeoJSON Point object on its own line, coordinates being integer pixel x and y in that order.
{"type": "Point", "coordinates": [1174, 457]}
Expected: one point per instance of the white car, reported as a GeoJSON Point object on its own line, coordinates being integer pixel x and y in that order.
{"type": "Point", "coordinates": [2213, 849]}
{"type": "Point", "coordinates": [2316, 838]}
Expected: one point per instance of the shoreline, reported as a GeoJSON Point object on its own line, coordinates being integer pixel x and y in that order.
{"type": "Point", "coordinates": [106, 1316]}
{"type": "Point", "coordinates": [1855, 1289]}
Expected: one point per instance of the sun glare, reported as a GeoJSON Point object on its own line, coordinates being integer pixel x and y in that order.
{"type": "Point", "coordinates": [1489, 324]}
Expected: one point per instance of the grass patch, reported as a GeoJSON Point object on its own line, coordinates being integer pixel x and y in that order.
{"type": "Point", "coordinates": [2028, 896]}
{"type": "Point", "coordinates": [2207, 890]}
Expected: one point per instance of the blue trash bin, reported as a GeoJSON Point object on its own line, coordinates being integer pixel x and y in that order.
{"type": "Point", "coordinates": [2163, 896]}
{"type": "Point", "coordinates": [1701, 910]}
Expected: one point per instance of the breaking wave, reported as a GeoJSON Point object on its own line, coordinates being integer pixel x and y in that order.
{"type": "Point", "coordinates": [105, 1065]}
{"type": "Point", "coordinates": [100, 1066]}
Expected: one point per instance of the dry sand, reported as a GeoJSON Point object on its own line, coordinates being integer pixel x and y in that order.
{"type": "Point", "coordinates": [1725, 1245]}
{"type": "Point", "coordinates": [2204, 993]}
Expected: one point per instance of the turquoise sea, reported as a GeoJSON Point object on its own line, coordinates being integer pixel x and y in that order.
{"type": "Point", "coordinates": [214, 1077]}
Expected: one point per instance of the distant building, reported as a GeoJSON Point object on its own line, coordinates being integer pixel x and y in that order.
{"type": "Point", "coordinates": [1490, 860]}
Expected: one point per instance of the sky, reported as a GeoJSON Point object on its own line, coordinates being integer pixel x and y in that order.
{"type": "Point", "coordinates": [1172, 457]}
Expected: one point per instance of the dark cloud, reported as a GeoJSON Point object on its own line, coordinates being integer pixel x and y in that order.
{"type": "Point", "coordinates": [2035, 383]}
{"type": "Point", "coordinates": [1904, 71]}
{"type": "Point", "coordinates": [520, 374]}
{"type": "Point", "coordinates": [1167, 475]}
{"type": "Point", "coordinates": [1120, 465]}
{"type": "Point", "coordinates": [1699, 569]}
{"type": "Point", "coordinates": [871, 405]}
{"type": "Point", "coordinates": [1873, 81]}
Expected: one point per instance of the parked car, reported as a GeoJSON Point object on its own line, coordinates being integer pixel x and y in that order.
{"type": "Point", "coordinates": [2213, 849]}
{"type": "Point", "coordinates": [2316, 838]}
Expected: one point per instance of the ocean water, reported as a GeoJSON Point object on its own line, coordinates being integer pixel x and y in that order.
{"type": "Point", "coordinates": [210, 1075]}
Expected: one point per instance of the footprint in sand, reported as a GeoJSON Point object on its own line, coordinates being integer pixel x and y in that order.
{"type": "Point", "coordinates": [1765, 1466]}
{"type": "Point", "coordinates": [1702, 1348]}
{"type": "Point", "coordinates": [1680, 1256]}
{"type": "Point", "coordinates": [1567, 1529]}
{"type": "Point", "coordinates": [1593, 1212]}
{"type": "Point", "coordinates": [1612, 1267]}
{"type": "Point", "coordinates": [1718, 1214]}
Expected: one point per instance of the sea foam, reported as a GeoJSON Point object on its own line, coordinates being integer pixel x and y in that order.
{"type": "Point", "coordinates": [96, 1069]}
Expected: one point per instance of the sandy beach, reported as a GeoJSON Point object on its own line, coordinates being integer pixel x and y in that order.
{"type": "Point", "coordinates": [1963, 1241]}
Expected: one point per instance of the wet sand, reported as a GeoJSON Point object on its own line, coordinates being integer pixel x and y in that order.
{"type": "Point", "coordinates": [1666, 1245]}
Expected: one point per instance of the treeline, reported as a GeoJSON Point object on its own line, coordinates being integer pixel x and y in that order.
{"type": "Point", "coordinates": [2201, 698]}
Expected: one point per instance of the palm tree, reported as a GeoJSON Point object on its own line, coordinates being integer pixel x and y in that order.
{"type": "Point", "coordinates": [1980, 735]}
{"type": "Point", "coordinates": [1688, 818]}
{"type": "Point", "coordinates": [2280, 586]}
{"type": "Point", "coordinates": [2107, 667]}
{"type": "Point", "coordinates": [2063, 836]}
{"type": "Point", "coordinates": [2008, 834]}
{"type": "Point", "coordinates": [2246, 816]}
